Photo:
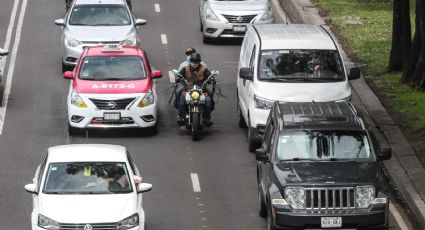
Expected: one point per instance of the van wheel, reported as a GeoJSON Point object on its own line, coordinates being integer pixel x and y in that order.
{"type": "Point", "coordinates": [201, 27]}
{"type": "Point", "coordinates": [262, 208]}
{"type": "Point", "coordinates": [241, 120]}
{"type": "Point", "coordinates": [252, 143]}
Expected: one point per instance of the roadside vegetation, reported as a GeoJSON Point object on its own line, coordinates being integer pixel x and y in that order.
{"type": "Point", "coordinates": [365, 27]}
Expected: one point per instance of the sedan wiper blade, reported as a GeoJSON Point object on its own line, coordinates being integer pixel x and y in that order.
{"type": "Point", "coordinates": [298, 159]}
{"type": "Point", "coordinates": [111, 79]}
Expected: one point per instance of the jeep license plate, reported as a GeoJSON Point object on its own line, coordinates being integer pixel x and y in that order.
{"type": "Point", "coordinates": [331, 222]}
{"type": "Point", "coordinates": [239, 28]}
{"type": "Point", "coordinates": [111, 116]}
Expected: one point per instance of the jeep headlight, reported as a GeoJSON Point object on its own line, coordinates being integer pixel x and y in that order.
{"type": "Point", "coordinates": [47, 223]}
{"type": "Point", "coordinates": [210, 15]}
{"type": "Point", "coordinates": [267, 15]}
{"type": "Point", "coordinates": [261, 103]}
{"type": "Point", "coordinates": [295, 197]}
{"type": "Point", "coordinates": [131, 41]}
{"type": "Point", "coordinates": [364, 196]}
{"type": "Point", "coordinates": [71, 42]}
{"type": "Point", "coordinates": [147, 100]}
{"type": "Point", "coordinates": [128, 222]}
{"type": "Point", "coordinates": [77, 101]}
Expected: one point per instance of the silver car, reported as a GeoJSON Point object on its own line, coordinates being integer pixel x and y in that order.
{"type": "Point", "coordinates": [94, 22]}
{"type": "Point", "coordinates": [229, 18]}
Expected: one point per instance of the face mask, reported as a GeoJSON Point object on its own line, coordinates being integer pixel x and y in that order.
{"type": "Point", "coordinates": [194, 65]}
{"type": "Point", "coordinates": [188, 58]}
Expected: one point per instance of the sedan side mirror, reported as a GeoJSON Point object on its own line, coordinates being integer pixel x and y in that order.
{"type": "Point", "coordinates": [3, 52]}
{"type": "Point", "coordinates": [246, 74]}
{"type": "Point", "coordinates": [156, 74]}
{"type": "Point", "coordinates": [67, 75]}
{"type": "Point", "coordinates": [31, 188]}
{"type": "Point", "coordinates": [60, 22]}
{"type": "Point", "coordinates": [140, 22]}
{"type": "Point", "coordinates": [354, 73]}
{"type": "Point", "coordinates": [144, 187]}
{"type": "Point", "coordinates": [260, 155]}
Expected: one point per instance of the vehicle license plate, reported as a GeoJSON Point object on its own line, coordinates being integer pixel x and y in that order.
{"type": "Point", "coordinates": [331, 222]}
{"type": "Point", "coordinates": [111, 116]}
{"type": "Point", "coordinates": [239, 28]}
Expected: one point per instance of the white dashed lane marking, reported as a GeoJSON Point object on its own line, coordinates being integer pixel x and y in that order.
{"type": "Point", "coordinates": [157, 8]}
{"type": "Point", "coordinates": [398, 218]}
{"type": "Point", "coordinates": [164, 39]}
{"type": "Point", "coordinates": [195, 182]}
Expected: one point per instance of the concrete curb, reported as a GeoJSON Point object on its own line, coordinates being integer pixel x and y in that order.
{"type": "Point", "coordinates": [404, 168]}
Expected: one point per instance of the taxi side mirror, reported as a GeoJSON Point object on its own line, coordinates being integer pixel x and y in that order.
{"type": "Point", "coordinates": [67, 75]}
{"type": "Point", "coordinates": [156, 74]}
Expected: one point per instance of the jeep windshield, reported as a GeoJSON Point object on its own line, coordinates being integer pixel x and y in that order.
{"type": "Point", "coordinates": [301, 66]}
{"type": "Point", "coordinates": [87, 178]}
{"type": "Point", "coordinates": [99, 15]}
{"type": "Point", "coordinates": [107, 68]}
{"type": "Point", "coordinates": [323, 146]}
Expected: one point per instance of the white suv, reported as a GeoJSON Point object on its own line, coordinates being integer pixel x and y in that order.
{"type": "Point", "coordinates": [288, 63]}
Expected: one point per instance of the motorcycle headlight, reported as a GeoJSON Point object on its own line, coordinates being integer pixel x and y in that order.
{"type": "Point", "coordinates": [128, 222]}
{"type": "Point", "coordinates": [364, 196]}
{"type": "Point", "coordinates": [147, 100]}
{"type": "Point", "coordinates": [77, 100]}
{"type": "Point", "coordinates": [47, 223]}
{"type": "Point", "coordinates": [131, 41]}
{"type": "Point", "coordinates": [195, 95]}
{"type": "Point", "coordinates": [267, 15]}
{"type": "Point", "coordinates": [295, 196]}
{"type": "Point", "coordinates": [71, 42]}
{"type": "Point", "coordinates": [210, 15]}
{"type": "Point", "coordinates": [261, 103]}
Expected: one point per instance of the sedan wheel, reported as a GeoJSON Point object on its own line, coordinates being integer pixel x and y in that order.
{"type": "Point", "coordinates": [262, 208]}
{"type": "Point", "coordinates": [270, 225]}
{"type": "Point", "coordinates": [252, 143]}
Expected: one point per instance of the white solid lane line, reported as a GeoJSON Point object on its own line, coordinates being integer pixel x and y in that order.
{"type": "Point", "coordinates": [398, 218]}
{"type": "Point", "coordinates": [195, 182]}
{"type": "Point", "coordinates": [157, 8]}
{"type": "Point", "coordinates": [164, 39]}
{"type": "Point", "coordinates": [11, 69]}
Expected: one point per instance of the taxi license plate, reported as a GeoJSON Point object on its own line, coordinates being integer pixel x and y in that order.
{"type": "Point", "coordinates": [331, 222]}
{"type": "Point", "coordinates": [111, 116]}
{"type": "Point", "coordinates": [239, 28]}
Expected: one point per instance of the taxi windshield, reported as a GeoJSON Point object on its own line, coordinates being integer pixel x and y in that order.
{"type": "Point", "coordinates": [99, 15]}
{"type": "Point", "coordinates": [323, 145]}
{"type": "Point", "coordinates": [87, 178]}
{"type": "Point", "coordinates": [104, 68]}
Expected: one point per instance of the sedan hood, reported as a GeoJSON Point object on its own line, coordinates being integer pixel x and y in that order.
{"type": "Point", "coordinates": [329, 173]}
{"type": "Point", "coordinates": [99, 33]}
{"type": "Point", "coordinates": [303, 92]}
{"type": "Point", "coordinates": [236, 6]}
{"type": "Point", "coordinates": [112, 87]}
{"type": "Point", "coordinates": [88, 208]}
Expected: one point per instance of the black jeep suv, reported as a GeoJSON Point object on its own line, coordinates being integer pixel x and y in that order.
{"type": "Point", "coordinates": [318, 168]}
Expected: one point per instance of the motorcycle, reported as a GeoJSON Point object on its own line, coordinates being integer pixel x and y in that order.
{"type": "Point", "coordinates": [195, 101]}
{"type": "Point", "coordinates": [3, 52]}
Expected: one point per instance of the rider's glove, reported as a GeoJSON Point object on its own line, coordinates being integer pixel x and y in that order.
{"type": "Point", "coordinates": [178, 79]}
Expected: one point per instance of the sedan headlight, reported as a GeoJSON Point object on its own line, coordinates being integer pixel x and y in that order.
{"type": "Point", "coordinates": [267, 15]}
{"type": "Point", "coordinates": [295, 196]}
{"type": "Point", "coordinates": [77, 101]}
{"type": "Point", "coordinates": [147, 100]}
{"type": "Point", "coordinates": [47, 223]}
{"type": "Point", "coordinates": [364, 196]}
{"type": "Point", "coordinates": [128, 222]}
{"type": "Point", "coordinates": [261, 103]}
{"type": "Point", "coordinates": [131, 41]}
{"type": "Point", "coordinates": [71, 42]}
{"type": "Point", "coordinates": [210, 15]}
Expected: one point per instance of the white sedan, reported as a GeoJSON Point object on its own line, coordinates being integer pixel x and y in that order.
{"type": "Point", "coordinates": [87, 187]}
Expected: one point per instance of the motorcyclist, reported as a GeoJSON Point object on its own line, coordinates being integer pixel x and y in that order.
{"type": "Point", "coordinates": [195, 73]}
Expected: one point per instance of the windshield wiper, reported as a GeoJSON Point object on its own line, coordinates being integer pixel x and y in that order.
{"type": "Point", "coordinates": [298, 159]}
{"type": "Point", "coordinates": [111, 79]}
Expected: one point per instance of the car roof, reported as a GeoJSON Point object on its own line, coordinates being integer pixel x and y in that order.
{"type": "Point", "coordinates": [108, 51]}
{"type": "Point", "coordinates": [294, 36]}
{"type": "Point", "coordinates": [87, 153]}
{"type": "Point", "coordinates": [91, 2]}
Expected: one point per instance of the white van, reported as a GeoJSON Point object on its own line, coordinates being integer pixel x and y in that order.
{"type": "Point", "coordinates": [288, 63]}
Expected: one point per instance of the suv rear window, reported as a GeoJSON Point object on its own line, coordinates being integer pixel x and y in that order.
{"type": "Point", "coordinates": [301, 65]}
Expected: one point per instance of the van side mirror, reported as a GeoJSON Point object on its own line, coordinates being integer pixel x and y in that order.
{"type": "Point", "coordinates": [260, 155]}
{"type": "Point", "coordinates": [354, 73]}
{"type": "Point", "coordinates": [246, 74]}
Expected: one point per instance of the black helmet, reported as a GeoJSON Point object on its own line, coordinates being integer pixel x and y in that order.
{"type": "Point", "coordinates": [190, 51]}
{"type": "Point", "coordinates": [195, 57]}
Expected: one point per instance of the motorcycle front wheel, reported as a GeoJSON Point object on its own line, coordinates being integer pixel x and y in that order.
{"type": "Point", "coordinates": [195, 126]}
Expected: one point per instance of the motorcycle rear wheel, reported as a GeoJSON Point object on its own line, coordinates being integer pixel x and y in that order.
{"type": "Point", "coordinates": [195, 126]}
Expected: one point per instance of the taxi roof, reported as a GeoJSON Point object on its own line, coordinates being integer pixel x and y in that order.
{"type": "Point", "coordinates": [294, 36]}
{"type": "Point", "coordinates": [91, 2]}
{"type": "Point", "coordinates": [87, 153]}
{"type": "Point", "coordinates": [103, 50]}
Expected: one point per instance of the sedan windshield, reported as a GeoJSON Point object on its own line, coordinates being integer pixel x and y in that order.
{"type": "Point", "coordinates": [301, 65]}
{"type": "Point", "coordinates": [323, 145]}
{"type": "Point", "coordinates": [104, 68]}
{"type": "Point", "coordinates": [87, 178]}
{"type": "Point", "coordinates": [99, 15]}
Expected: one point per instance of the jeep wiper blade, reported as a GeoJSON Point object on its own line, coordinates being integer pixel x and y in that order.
{"type": "Point", "coordinates": [299, 159]}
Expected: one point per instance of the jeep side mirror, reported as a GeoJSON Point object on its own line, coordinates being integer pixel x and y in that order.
{"type": "Point", "coordinates": [384, 154]}
{"type": "Point", "coordinates": [381, 146]}
{"type": "Point", "coordinates": [246, 74]}
{"type": "Point", "coordinates": [260, 155]}
{"type": "Point", "coordinates": [354, 73]}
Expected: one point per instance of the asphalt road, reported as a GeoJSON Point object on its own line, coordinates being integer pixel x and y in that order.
{"type": "Point", "coordinates": [35, 119]}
